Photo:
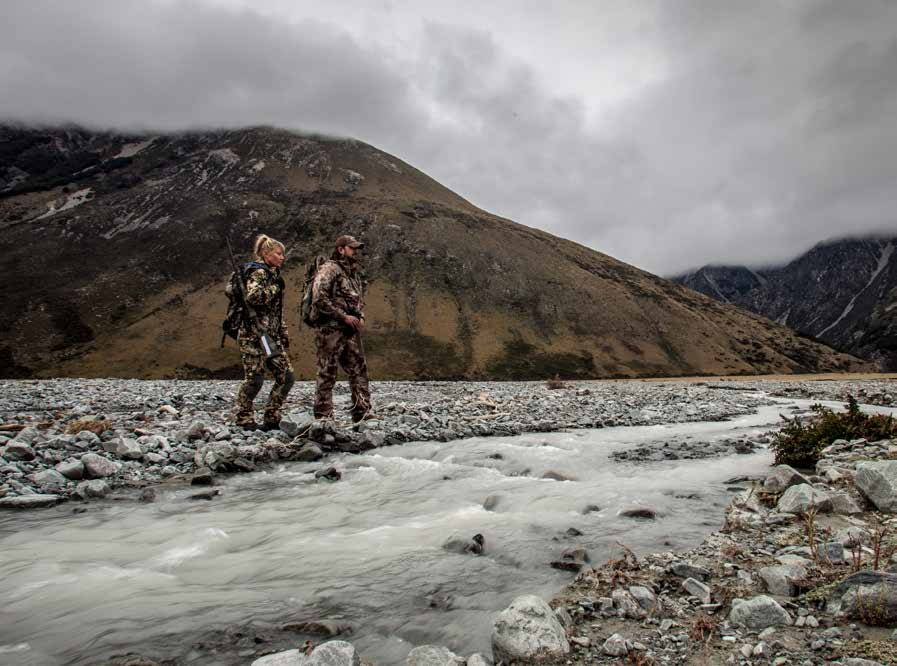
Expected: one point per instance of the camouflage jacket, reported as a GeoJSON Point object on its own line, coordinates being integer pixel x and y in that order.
{"type": "Point", "coordinates": [264, 293]}
{"type": "Point", "coordinates": [337, 292]}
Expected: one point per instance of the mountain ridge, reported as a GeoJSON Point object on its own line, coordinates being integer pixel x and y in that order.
{"type": "Point", "coordinates": [114, 244]}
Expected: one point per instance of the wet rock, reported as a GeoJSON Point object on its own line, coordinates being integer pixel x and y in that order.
{"type": "Point", "coordinates": [639, 512]}
{"type": "Point", "coordinates": [147, 495]}
{"type": "Point", "coordinates": [309, 452]}
{"type": "Point", "coordinates": [32, 501]}
{"type": "Point", "coordinates": [616, 646]}
{"type": "Point", "coordinates": [16, 450]}
{"type": "Point", "coordinates": [98, 467]}
{"type": "Point", "coordinates": [557, 476]}
{"type": "Point", "coordinates": [475, 545]}
{"type": "Point", "coordinates": [206, 494]}
{"type": "Point", "coordinates": [490, 503]}
{"type": "Point", "coordinates": [71, 469]}
{"type": "Point", "coordinates": [573, 532]}
{"type": "Point", "coordinates": [97, 488]}
{"type": "Point", "coordinates": [801, 498]}
{"type": "Point", "coordinates": [758, 613]}
{"type": "Point", "coordinates": [780, 579]}
{"type": "Point", "coordinates": [528, 630]}
{"type": "Point", "coordinates": [332, 653]}
{"type": "Point", "coordinates": [591, 508]}
{"type": "Point", "coordinates": [878, 483]}
{"type": "Point", "coordinates": [318, 627]}
{"type": "Point", "coordinates": [50, 480]}
{"type": "Point", "coordinates": [202, 477]}
{"type": "Point", "coordinates": [433, 655]}
{"type": "Point", "coordinates": [329, 474]}
{"type": "Point", "coordinates": [782, 477]}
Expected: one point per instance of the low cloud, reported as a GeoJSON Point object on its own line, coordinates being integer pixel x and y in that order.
{"type": "Point", "coordinates": [770, 129]}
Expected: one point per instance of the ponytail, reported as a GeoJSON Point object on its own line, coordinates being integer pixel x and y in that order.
{"type": "Point", "coordinates": [265, 244]}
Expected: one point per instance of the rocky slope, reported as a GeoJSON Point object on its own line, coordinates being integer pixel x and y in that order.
{"type": "Point", "coordinates": [843, 292]}
{"type": "Point", "coordinates": [114, 261]}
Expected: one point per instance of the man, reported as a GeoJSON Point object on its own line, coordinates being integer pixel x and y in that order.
{"type": "Point", "coordinates": [338, 310]}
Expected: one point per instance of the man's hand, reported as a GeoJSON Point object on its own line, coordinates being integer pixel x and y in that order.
{"type": "Point", "coordinates": [356, 323]}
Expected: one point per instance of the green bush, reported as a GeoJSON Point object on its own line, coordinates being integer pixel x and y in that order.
{"type": "Point", "coordinates": [800, 444]}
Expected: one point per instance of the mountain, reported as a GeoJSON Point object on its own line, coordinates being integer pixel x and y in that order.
{"type": "Point", "coordinates": [113, 252]}
{"type": "Point", "coordinates": [843, 292]}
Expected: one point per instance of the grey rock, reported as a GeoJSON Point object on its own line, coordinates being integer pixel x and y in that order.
{"type": "Point", "coordinates": [844, 504]}
{"type": "Point", "coordinates": [71, 469]}
{"type": "Point", "coordinates": [33, 501]}
{"type": "Point", "coordinates": [782, 477]}
{"type": "Point", "coordinates": [878, 483]}
{"type": "Point", "coordinates": [128, 448]}
{"type": "Point", "coordinates": [476, 659]}
{"type": "Point", "coordinates": [780, 579]}
{"type": "Point", "coordinates": [309, 452]}
{"type": "Point", "coordinates": [202, 477]}
{"type": "Point", "coordinates": [615, 646]}
{"type": "Point", "coordinates": [801, 498]}
{"type": "Point", "coordinates": [433, 655]}
{"type": "Point", "coordinates": [877, 601]}
{"type": "Point", "coordinates": [758, 613]}
{"type": "Point", "coordinates": [856, 661]}
{"type": "Point", "coordinates": [528, 629]}
{"type": "Point", "coordinates": [27, 436]}
{"type": "Point", "coordinates": [831, 552]}
{"type": "Point", "coordinates": [18, 451]}
{"type": "Point", "coordinates": [626, 604]}
{"type": "Point", "coordinates": [218, 456]}
{"type": "Point", "coordinates": [98, 467]}
{"type": "Point", "coordinates": [644, 597]}
{"type": "Point", "coordinates": [490, 502]}
{"type": "Point", "coordinates": [689, 570]}
{"type": "Point", "coordinates": [96, 488]}
{"type": "Point", "coordinates": [697, 589]}
{"type": "Point", "coordinates": [849, 536]}
{"type": "Point", "coordinates": [197, 430]}
{"type": "Point", "coordinates": [50, 479]}
{"type": "Point", "coordinates": [88, 437]}
{"type": "Point", "coordinates": [642, 512]}
{"type": "Point", "coordinates": [332, 653]}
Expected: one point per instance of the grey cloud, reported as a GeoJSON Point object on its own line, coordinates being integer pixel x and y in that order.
{"type": "Point", "coordinates": [771, 129]}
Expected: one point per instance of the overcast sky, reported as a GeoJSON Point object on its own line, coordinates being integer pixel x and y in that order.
{"type": "Point", "coordinates": [667, 134]}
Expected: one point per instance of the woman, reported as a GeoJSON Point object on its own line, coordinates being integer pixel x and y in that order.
{"type": "Point", "coordinates": [264, 293]}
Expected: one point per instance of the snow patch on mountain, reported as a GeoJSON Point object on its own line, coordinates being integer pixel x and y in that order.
{"type": "Point", "coordinates": [131, 149]}
{"type": "Point", "coordinates": [883, 260]}
{"type": "Point", "coordinates": [73, 200]}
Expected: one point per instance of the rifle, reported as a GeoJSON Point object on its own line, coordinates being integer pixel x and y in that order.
{"type": "Point", "coordinates": [270, 347]}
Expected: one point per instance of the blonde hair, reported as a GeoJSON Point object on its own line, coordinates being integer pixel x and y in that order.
{"type": "Point", "coordinates": [264, 245]}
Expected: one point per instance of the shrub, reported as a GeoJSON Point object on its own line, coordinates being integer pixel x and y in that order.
{"type": "Point", "coordinates": [556, 383]}
{"type": "Point", "coordinates": [96, 426]}
{"type": "Point", "coordinates": [800, 444]}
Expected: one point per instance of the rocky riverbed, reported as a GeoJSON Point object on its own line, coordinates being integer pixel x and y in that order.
{"type": "Point", "coordinates": [81, 440]}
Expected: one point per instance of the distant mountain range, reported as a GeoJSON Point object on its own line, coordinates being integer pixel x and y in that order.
{"type": "Point", "coordinates": [842, 292]}
{"type": "Point", "coordinates": [114, 264]}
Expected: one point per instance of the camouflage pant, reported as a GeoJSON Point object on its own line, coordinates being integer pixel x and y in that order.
{"type": "Point", "coordinates": [254, 366]}
{"type": "Point", "coordinates": [336, 347]}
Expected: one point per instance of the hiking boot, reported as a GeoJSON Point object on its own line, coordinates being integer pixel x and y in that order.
{"type": "Point", "coordinates": [268, 426]}
{"type": "Point", "coordinates": [365, 416]}
{"type": "Point", "coordinates": [249, 426]}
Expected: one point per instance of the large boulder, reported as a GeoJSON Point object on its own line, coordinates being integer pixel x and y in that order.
{"type": "Point", "coordinates": [801, 498]}
{"type": "Point", "coordinates": [98, 467]}
{"type": "Point", "coordinates": [96, 488]}
{"type": "Point", "coordinates": [433, 655]}
{"type": "Point", "coordinates": [758, 613]}
{"type": "Point", "coordinates": [71, 469]}
{"type": "Point", "coordinates": [528, 630]}
{"type": "Point", "coordinates": [878, 483]}
{"type": "Point", "coordinates": [782, 477]}
{"type": "Point", "coordinates": [128, 448]}
{"type": "Point", "coordinates": [874, 602]}
{"type": "Point", "coordinates": [17, 450]}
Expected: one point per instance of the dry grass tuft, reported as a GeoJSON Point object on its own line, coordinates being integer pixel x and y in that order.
{"type": "Point", "coordinates": [556, 383]}
{"type": "Point", "coordinates": [96, 426]}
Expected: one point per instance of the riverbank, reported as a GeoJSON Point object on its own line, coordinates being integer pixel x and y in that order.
{"type": "Point", "coordinates": [511, 406]}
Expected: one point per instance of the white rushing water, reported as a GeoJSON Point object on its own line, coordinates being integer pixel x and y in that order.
{"type": "Point", "coordinates": [278, 547]}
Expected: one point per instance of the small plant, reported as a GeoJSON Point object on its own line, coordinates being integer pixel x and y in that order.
{"type": "Point", "coordinates": [555, 383]}
{"type": "Point", "coordinates": [702, 628]}
{"type": "Point", "coordinates": [809, 519]}
{"type": "Point", "coordinates": [856, 554]}
{"type": "Point", "coordinates": [96, 426]}
{"type": "Point", "coordinates": [800, 444]}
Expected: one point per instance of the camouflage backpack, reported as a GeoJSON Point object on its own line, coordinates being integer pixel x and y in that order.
{"type": "Point", "coordinates": [236, 313]}
{"type": "Point", "coordinates": [305, 313]}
